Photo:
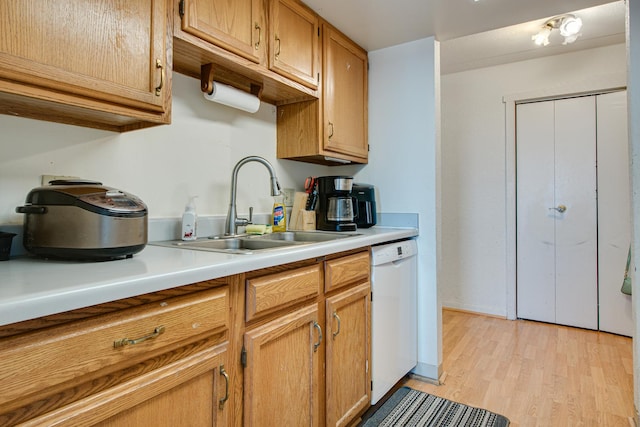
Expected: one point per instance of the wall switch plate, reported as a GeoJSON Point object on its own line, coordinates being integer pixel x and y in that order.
{"type": "Point", "coordinates": [289, 194]}
{"type": "Point", "coordinates": [47, 178]}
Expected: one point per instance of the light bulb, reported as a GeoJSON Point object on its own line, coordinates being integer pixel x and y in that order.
{"type": "Point", "coordinates": [570, 26]}
{"type": "Point", "coordinates": [542, 37]}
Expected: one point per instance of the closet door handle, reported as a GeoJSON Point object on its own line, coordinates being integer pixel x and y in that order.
{"type": "Point", "coordinates": [560, 208]}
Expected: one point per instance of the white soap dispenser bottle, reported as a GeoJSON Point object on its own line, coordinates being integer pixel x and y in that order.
{"type": "Point", "coordinates": [189, 220]}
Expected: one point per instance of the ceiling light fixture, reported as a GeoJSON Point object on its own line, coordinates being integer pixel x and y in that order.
{"type": "Point", "coordinates": [569, 26]}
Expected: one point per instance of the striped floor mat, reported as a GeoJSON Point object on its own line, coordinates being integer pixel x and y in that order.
{"type": "Point", "coordinates": [412, 408]}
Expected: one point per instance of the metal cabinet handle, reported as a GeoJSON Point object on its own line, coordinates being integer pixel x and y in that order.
{"type": "Point", "coordinates": [331, 132]}
{"type": "Point", "coordinates": [226, 388]}
{"type": "Point", "coordinates": [257, 27]}
{"type": "Point", "coordinates": [128, 341]}
{"type": "Point", "coordinates": [560, 208]}
{"type": "Point", "coordinates": [278, 49]}
{"type": "Point", "coordinates": [335, 315]}
{"type": "Point", "coordinates": [159, 88]}
{"type": "Point", "coordinates": [317, 344]}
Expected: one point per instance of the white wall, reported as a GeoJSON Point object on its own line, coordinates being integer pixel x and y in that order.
{"type": "Point", "coordinates": [162, 165]}
{"type": "Point", "coordinates": [475, 175]}
{"type": "Point", "coordinates": [633, 97]}
{"type": "Point", "coordinates": [404, 108]}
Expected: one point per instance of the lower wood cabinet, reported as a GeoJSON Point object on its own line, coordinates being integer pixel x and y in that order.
{"type": "Point", "coordinates": [307, 364]}
{"type": "Point", "coordinates": [157, 359]}
{"type": "Point", "coordinates": [348, 351]}
{"type": "Point", "coordinates": [192, 392]}
{"type": "Point", "coordinates": [281, 386]}
{"type": "Point", "coordinates": [283, 346]}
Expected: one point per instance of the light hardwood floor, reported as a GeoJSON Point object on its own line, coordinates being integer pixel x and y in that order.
{"type": "Point", "coordinates": [535, 374]}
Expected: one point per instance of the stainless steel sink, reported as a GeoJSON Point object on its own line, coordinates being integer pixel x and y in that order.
{"type": "Point", "coordinates": [307, 236]}
{"type": "Point", "coordinates": [247, 244]}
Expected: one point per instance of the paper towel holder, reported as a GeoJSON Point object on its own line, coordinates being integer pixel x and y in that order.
{"type": "Point", "coordinates": [207, 72]}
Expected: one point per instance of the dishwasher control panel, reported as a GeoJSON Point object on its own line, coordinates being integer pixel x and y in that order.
{"type": "Point", "coordinates": [393, 251]}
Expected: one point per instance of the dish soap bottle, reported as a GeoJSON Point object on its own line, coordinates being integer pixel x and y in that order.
{"type": "Point", "coordinates": [279, 218]}
{"type": "Point", "coordinates": [189, 220]}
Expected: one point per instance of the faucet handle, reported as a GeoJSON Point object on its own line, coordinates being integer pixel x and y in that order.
{"type": "Point", "coordinates": [250, 215]}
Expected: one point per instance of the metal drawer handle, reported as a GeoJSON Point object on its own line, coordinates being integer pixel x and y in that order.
{"type": "Point", "coordinates": [257, 27]}
{"type": "Point", "coordinates": [317, 344]}
{"type": "Point", "coordinates": [277, 54]}
{"type": "Point", "coordinates": [335, 315]}
{"type": "Point", "coordinates": [159, 88]}
{"type": "Point", "coordinates": [128, 341]}
{"type": "Point", "coordinates": [226, 393]}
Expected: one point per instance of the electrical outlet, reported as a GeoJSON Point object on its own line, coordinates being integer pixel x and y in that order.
{"type": "Point", "coordinates": [289, 194]}
{"type": "Point", "coordinates": [47, 178]}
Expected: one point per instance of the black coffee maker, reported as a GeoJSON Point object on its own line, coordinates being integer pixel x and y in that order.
{"type": "Point", "coordinates": [365, 197]}
{"type": "Point", "coordinates": [336, 206]}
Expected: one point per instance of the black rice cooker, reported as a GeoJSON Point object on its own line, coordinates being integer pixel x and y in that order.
{"type": "Point", "coordinates": [83, 220]}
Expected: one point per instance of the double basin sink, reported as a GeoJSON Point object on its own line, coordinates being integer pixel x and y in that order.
{"type": "Point", "coordinates": [247, 244]}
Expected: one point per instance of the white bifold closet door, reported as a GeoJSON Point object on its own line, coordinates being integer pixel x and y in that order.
{"type": "Point", "coordinates": [557, 212]}
{"type": "Point", "coordinates": [614, 212]}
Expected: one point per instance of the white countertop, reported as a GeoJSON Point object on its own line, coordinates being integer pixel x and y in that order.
{"type": "Point", "coordinates": [32, 287]}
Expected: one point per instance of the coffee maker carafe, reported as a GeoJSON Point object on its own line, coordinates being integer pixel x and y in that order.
{"type": "Point", "coordinates": [336, 208]}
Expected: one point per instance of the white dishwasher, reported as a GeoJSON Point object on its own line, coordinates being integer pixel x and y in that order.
{"type": "Point", "coordinates": [394, 329]}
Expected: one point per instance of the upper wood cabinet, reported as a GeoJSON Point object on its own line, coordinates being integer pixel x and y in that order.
{"type": "Point", "coordinates": [294, 42]}
{"type": "Point", "coordinates": [97, 64]}
{"type": "Point", "coordinates": [237, 26]}
{"type": "Point", "coordinates": [237, 36]}
{"type": "Point", "coordinates": [344, 95]}
{"type": "Point", "coordinates": [332, 130]}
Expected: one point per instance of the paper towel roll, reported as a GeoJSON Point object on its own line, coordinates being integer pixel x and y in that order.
{"type": "Point", "coordinates": [232, 97]}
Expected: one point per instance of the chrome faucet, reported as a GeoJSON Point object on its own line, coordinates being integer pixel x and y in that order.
{"type": "Point", "coordinates": [233, 222]}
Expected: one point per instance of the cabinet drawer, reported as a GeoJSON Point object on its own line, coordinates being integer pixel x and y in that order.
{"type": "Point", "coordinates": [267, 294]}
{"type": "Point", "coordinates": [45, 358]}
{"type": "Point", "coordinates": [346, 271]}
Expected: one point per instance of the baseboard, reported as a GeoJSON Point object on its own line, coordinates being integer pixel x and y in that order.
{"type": "Point", "coordinates": [477, 313]}
{"type": "Point", "coordinates": [438, 382]}
{"type": "Point", "coordinates": [427, 371]}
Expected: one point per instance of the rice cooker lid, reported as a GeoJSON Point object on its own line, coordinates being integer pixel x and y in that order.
{"type": "Point", "coordinates": [89, 195]}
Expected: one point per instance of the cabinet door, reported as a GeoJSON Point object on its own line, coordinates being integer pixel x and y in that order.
{"type": "Point", "coordinates": [344, 95]}
{"type": "Point", "coordinates": [193, 391]}
{"type": "Point", "coordinates": [92, 50]}
{"type": "Point", "coordinates": [348, 379]}
{"type": "Point", "coordinates": [233, 25]}
{"type": "Point", "coordinates": [281, 378]}
{"type": "Point", "coordinates": [294, 42]}
{"type": "Point", "coordinates": [200, 401]}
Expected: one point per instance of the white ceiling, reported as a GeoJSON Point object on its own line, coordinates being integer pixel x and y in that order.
{"type": "Point", "coordinates": [473, 33]}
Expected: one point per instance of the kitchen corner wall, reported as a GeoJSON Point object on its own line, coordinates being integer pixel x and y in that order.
{"type": "Point", "coordinates": [475, 178]}
{"type": "Point", "coordinates": [404, 166]}
{"type": "Point", "coordinates": [162, 165]}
